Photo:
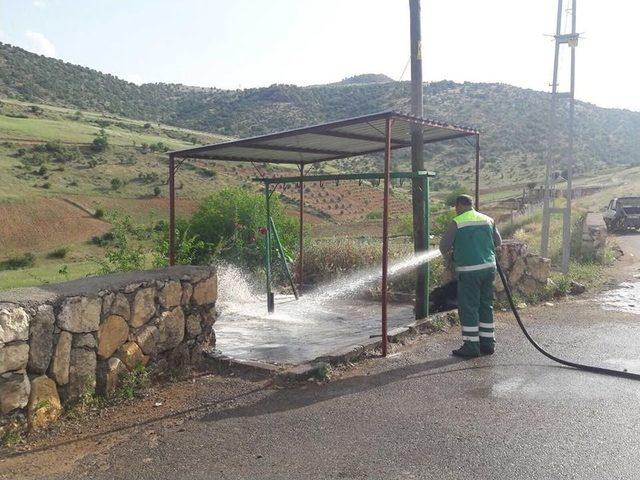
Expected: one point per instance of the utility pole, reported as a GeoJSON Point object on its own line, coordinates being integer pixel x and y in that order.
{"type": "Point", "coordinates": [571, 40]}
{"type": "Point", "coordinates": [420, 242]}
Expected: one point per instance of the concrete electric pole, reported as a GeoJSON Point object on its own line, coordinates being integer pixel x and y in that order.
{"type": "Point", "coordinates": [571, 40]}
{"type": "Point", "coordinates": [420, 243]}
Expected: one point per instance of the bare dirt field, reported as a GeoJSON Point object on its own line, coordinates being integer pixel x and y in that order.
{"type": "Point", "coordinates": [44, 223]}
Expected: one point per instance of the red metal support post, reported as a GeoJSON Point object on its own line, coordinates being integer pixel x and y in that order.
{"type": "Point", "coordinates": [172, 211]}
{"type": "Point", "coordinates": [385, 234]}
{"type": "Point", "coordinates": [477, 171]}
{"type": "Point", "coordinates": [301, 239]}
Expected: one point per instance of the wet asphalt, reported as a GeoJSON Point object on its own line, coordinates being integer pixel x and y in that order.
{"type": "Point", "coordinates": [423, 414]}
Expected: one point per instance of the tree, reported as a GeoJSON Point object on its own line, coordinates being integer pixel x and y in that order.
{"type": "Point", "coordinates": [234, 220]}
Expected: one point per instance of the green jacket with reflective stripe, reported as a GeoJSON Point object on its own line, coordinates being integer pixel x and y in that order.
{"type": "Point", "coordinates": [473, 247]}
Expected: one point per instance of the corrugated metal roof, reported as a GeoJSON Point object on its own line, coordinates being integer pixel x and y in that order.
{"type": "Point", "coordinates": [329, 141]}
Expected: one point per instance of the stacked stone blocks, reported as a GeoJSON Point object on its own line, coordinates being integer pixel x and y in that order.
{"type": "Point", "coordinates": [53, 353]}
{"type": "Point", "coordinates": [527, 273]}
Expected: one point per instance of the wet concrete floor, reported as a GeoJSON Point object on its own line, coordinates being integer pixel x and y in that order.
{"type": "Point", "coordinates": [292, 337]}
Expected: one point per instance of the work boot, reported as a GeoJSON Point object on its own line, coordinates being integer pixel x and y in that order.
{"type": "Point", "coordinates": [487, 348]}
{"type": "Point", "coordinates": [467, 350]}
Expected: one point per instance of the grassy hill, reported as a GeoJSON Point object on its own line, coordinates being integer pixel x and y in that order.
{"type": "Point", "coordinates": [513, 121]}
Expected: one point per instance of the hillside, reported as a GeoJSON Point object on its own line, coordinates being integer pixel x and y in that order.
{"type": "Point", "coordinates": [59, 165]}
{"type": "Point", "coordinates": [74, 140]}
{"type": "Point", "coordinates": [512, 120]}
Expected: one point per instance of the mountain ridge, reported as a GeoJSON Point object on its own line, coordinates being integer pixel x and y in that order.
{"type": "Point", "coordinates": [513, 121]}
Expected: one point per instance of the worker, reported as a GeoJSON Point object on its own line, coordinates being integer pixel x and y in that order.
{"type": "Point", "coordinates": [469, 244]}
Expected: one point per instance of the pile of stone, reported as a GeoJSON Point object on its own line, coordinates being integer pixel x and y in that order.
{"type": "Point", "coordinates": [527, 273]}
{"type": "Point", "coordinates": [56, 348]}
{"type": "Point", "coordinates": [594, 238]}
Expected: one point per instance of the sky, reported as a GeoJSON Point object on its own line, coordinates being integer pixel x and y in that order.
{"type": "Point", "coordinates": [251, 43]}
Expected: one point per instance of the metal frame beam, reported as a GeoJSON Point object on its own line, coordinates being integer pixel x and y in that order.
{"type": "Point", "coordinates": [277, 148]}
{"type": "Point", "coordinates": [364, 138]}
{"type": "Point", "coordinates": [343, 176]}
{"type": "Point", "coordinates": [477, 179]}
{"type": "Point", "coordinates": [199, 152]}
{"type": "Point", "coordinates": [172, 211]}
{"type": "Point", "coordinates": [385, 237]}
{"type": "Point", "coordinates": [301, 233]}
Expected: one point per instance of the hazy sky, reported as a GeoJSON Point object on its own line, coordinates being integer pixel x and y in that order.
{"type": "Point", "coordinates": [246, 43]}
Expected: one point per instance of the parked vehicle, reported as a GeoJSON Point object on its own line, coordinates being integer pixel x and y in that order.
{"type": "Point", "coordinates": [622, 214]}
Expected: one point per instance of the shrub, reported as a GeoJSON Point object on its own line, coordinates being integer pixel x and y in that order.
{"type": "Point", "coordinates": [327, 259]}
{"type": "Point", "coordinates": [123, 254]}
{"type": "Point", "coordinates": [158, 147]}
{"type": "Point", "coordinates": [190, 250]}
{"type": "Point", "coordinates": [103, 240]}
{"type": "Point", "coordinates": [15, 263]}
{"type": "Point", "coordinates": [156, 191]}
{"type": "Point", "coordinates": [99, 213]}
{"type": "Point", "coordinates": [46, 185]}
{"type": "Point", "coordinates": [149, 177]}
{"type": "Point", "coordinates": [450, 199]}
{"type": "Point", "coordinates": [374, 215]}
{"type": "Point", "coordinates": [132, 383]}
{"type": "Point", "coordinates": [233, 220]}
{"type": "Point", "coordinates": [100, 143]}
{"type": "Point", "coordinates": [58, 253]}
{"type": "Point", "coordinates": [439, 223]}
{"type": "Point", "coordinates": [116, 183]}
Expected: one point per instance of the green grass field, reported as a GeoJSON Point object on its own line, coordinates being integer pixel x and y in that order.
{"type": "Point", "coordinates": [47, 273]}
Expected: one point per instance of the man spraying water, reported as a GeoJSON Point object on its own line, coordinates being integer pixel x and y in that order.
{"type": "Point", "coordinates": [470, 243]}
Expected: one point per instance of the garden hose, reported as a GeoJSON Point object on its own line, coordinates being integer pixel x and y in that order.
{"type": "Point", "coordinates": [579, 366]}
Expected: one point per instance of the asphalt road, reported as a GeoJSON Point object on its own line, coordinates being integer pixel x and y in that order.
{"type": "Point", "coordinates": [420, 414]}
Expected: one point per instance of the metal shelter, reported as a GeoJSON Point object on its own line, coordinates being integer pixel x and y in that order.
{"type": "Point", "coordinates": [368, 134]}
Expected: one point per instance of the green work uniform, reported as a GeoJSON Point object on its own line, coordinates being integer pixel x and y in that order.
{"type": "Point", "coordinates": [472, 238]}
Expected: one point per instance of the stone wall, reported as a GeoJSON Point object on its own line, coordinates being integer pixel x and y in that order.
{"type": "Point", "coordinates": [527, 273]}
{"type": "Point", "coordinates": [594, 237]}
{"type": "Point", "coordinates": [58, 342]}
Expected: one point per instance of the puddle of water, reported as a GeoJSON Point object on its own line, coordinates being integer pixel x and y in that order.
{"type": "Point", "coordinates": [625, 298]}
{"type": "Point", "coordinates": [502, 389]}
{"type": "Point", "coordinates": [320, 322]}
{"type": "Point", "coordinates": [624, 364]}
{"type": "Point", "coordinates": [555, 384]}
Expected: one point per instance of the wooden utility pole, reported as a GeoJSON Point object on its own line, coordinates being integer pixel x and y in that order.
{"type": "Point", "coordinates": [420, 242]}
